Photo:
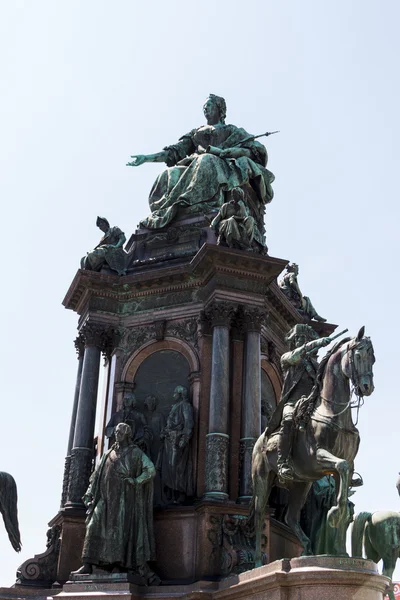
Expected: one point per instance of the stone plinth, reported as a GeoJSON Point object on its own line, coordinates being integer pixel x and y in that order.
{"type": "Point", "coordinates": [305, 578]}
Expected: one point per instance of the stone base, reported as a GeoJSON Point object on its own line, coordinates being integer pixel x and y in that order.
{"type": "Point", "coordinates": [305, 578]}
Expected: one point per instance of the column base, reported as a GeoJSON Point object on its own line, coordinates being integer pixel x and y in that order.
{"type": "Point", "coordinates": [216, 496]}
{"type": "Point", "coordinates": [244, 499]}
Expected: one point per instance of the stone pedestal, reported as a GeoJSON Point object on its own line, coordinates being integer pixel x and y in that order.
{"type": "Point", "coordinates": [195, 313]}
{"type": "Point", "coordinates": [306, 578]}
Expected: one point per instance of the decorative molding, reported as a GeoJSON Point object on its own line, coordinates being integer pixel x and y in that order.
{"type": "Point", "coordinates": [41, 570]}
{"type": "Point", "coordinates": [133, 338]}
{"type": "Point", "coordinates": [159, 329]}
{"type": "Point", "coordinates": [246, 446]}
{"type": "Point", "coordinates": [64, 494]}
{"type": "Point", "coordinates": [79, 344]}
{"type": "Point", "coordinates": [184, 330]}
{"type": "Point", "coordinates": [217, 446]}
{"type": "Point", "coordinates": [79, 474]}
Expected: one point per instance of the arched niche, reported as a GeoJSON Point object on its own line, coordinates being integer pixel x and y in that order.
{"type": "Point", "coordinates": [158, 367]}
{"type": "Point", "coordinates": [158, 375]}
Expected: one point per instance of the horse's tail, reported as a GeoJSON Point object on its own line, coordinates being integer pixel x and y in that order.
{"type": "Point", "coordinates": [357, 534]}
{"type": "Point", "coordinates": [9, 510]}
{"type": "Point", "coordinates": [250, 523]}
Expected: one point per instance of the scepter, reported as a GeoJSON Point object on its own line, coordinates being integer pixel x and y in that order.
{"type": "Point", "coordinates": [215, 150]}
{"type": "Point", "coordinates": [251, 138]}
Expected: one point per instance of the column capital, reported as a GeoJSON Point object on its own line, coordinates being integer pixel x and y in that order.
{"type": "Point", "coordinates": [93, 334]}
{"type": "Point", "coordinates": [220, 313]}
{"type": "Point", "coordinates": [253, 318]}
{"type": "Point", "coordinates": [79, 344]}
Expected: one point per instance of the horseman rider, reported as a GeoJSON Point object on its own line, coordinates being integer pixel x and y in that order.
{"type": "Point", "coordinates": [299, 367]}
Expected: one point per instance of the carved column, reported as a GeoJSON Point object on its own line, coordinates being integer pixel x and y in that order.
{"type": "Point", "coordinates": [80, 347]}
{"type": "Point", "coordinates": [253, 318]}
{"type": "Point", "coordinates": [82, 450]}
{"type": "Point", "coordinates": [217, 439]}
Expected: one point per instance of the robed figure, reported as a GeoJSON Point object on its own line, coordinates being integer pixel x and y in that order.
{"type": "Point", "coordinates": [119, 526]}
{"type": "Point", "coordinates": [203, 165]}
{"type": "Point", "coordinates": [174, 459]}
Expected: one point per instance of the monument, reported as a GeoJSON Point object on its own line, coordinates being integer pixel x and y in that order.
{"type": "Point", "coordinates": [206, 360]}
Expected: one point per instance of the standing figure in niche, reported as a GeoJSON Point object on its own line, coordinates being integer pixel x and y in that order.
{"type": "Point", "coordinates": [133, 417]}
{"type": "Point", "coordinates": [156, 423]}
{"type": "Point", "coordinates": [203, 165]}
{"type": "Point", "coordinates": [174, 459]}
{"type": "Point", "coordinates": [119, 525]}
{"type": "Point", "coordinates": [291, 289]}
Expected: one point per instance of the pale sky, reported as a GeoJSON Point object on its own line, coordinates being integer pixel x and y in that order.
{"type": "Point", "coordinates": [87, 84]}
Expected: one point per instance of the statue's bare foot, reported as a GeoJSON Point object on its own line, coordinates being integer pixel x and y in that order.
{"type": "Point", "coordinates": [86, 569]}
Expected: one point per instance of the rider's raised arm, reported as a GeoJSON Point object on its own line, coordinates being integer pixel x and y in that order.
{"type": "Point", "coordinates": [293, 357]}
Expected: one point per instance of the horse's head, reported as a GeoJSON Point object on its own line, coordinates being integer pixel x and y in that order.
{"type": "Point", "coordinates": [357, 360]}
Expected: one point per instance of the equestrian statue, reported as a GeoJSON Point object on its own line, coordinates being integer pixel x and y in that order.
{"type": "Point", "coordinates": [321, 438]}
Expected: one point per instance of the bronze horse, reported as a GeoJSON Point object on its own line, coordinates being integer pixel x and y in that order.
{"type": "Point", "coordinates": [326, 444]}
{"type": "Point", "coordinates": [379, 533]}
{"type": "Point", "coordinates": [8, 508]}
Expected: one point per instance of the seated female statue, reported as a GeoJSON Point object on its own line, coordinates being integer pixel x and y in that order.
{"type": "Point", "coordinates": [206, 163]}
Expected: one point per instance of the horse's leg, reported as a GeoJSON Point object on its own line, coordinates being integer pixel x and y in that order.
{"type": "Point", "coordinates": [262, 488]}
{"type": "Point", "coordinates": [389, 563]}
{"type": "Point", "coordinates": [337, 515]}
{"type": "Point", "coordinates": [370, 551]}
{"type": "Point", "coordinates": [297, 496]}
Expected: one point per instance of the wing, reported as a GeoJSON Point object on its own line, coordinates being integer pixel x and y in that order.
{"type": "Point", "coordinates": [8, 508]}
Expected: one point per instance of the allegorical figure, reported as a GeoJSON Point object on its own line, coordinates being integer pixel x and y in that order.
{"type": "Point", "coordinates": [174, 459]}
{"type": "Point", "coordinates": [109, 250]}
{"type": "Point", "coordinates": [203, 165]}
{"type": "Point", "coordinates": [234, 225]}
{"type": "Point", "coordinates": [291, 289]}
{"type": "Point", "coordinates": [314, 521]}
{"type": "Point", "coordinates": [119, 525]}
{"type": "Point", "coordinates": [299, 367]}
{"type": "Point", "coordinates": [135, 419]}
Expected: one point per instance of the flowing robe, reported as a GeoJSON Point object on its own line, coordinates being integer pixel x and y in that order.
{"type": "Point", "coordinates": [105, 252]}
{"type": "Point", "coordinates": [197, 182]}
{"type": "Point", "coordinates": [175, 458]}
{"type": "Point", "coordinates": [119, 530]}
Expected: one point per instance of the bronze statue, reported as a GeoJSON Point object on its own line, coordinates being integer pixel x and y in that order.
{"type": "Point", "coordinates": [135, 419]}
{"type": "Point", "coordinates": [291, 289]}
{"type": "Point", "coordinates": [174, 460]}
{"type": "Point", "coordinates": [8, 508]}
{"type": "Point", "coordinates": [119, 525]}
{"type": "Point", "coordinates": [328, 443]}
{"type": "Point", "coordinates": [234, 225]}
{"type": "Point", "coordinates": [299, 367]}
{"type": "Point", "coordinates": [313, 521]}
{"type": "Point", "coordinates": [379, 533]}
{"type": "Point", "coordinates": [155, 423]}
{"type": "Point", "coordinates": [203, 165]}
{"type": "Point", "coordinates": [109, 250]}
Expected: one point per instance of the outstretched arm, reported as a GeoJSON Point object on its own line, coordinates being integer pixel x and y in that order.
{"type": "Point", "coordinates": [295, 356]}
{"type": "Point", "coordinates": [139, 159]}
